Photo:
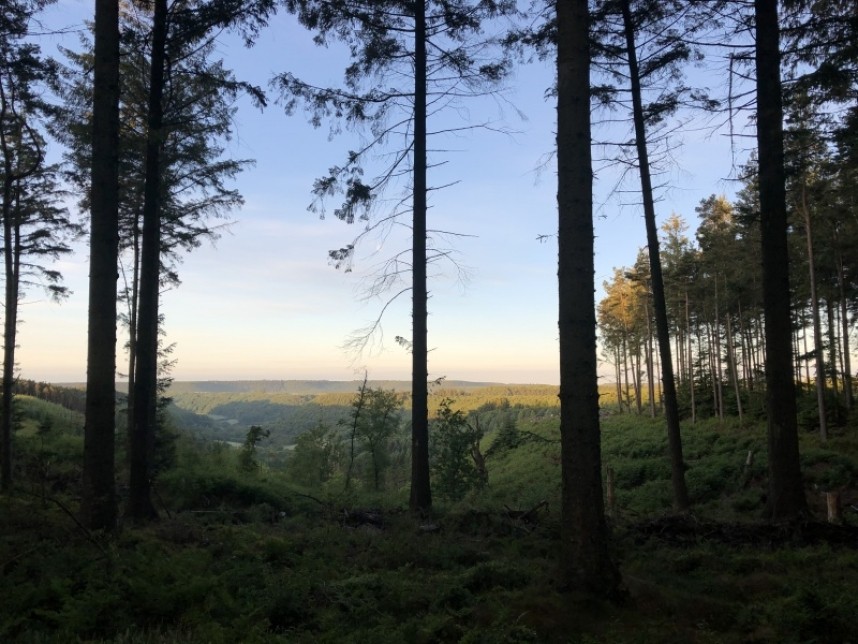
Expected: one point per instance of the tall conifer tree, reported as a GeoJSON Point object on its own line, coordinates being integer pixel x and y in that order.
{"type": "Point", "coordinates": [786, 493]}
{"type": "Point", "coordinates": [437, 47]}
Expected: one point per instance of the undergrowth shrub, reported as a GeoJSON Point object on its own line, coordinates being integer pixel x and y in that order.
{"type": "Point", "coordinates": [199, 489]}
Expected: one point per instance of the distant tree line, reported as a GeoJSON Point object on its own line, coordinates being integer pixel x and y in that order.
{"type": "Point", "coordinates": [714, 305]}
{"type": "Point", "coordinates": [69, 397]}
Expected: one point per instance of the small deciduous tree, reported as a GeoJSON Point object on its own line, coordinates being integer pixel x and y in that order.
{"type": "Point", "coordinates": [247, 456]}
{"type": "Point", "coordinates": [454, 466]}
{"type": "Point", "coordinates": [317, 456]}
{"type": "Point", "coordinates": [379, 421]}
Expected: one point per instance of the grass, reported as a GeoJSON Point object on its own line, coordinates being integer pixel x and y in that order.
{"type": "Point", "coordinates": [250, 557]}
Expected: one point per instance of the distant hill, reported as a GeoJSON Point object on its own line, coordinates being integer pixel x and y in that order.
{"type": "Point", "coordinates": [225, 409]}
{"type": "Point", "coordinates": [296, 387]}
{"type": "Point", "coordinates": [306, 387]}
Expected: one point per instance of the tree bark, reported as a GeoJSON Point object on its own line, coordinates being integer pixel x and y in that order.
{"type": "Point", "coordinates": [671, 406]}
{"type": "Point", "coordinates": [133, 308]}
{"type": "Point", "coordinates": [99, 490]}
{"type": "Point", "coordinates": [849, 397]}
{"type": "Point", "coordinates": [716, 352]}
{"type": "Point", "coordinates": [145, 418]}
{"type": "Point", "coordinates": [734, 368]}
{"type": "Point", "coordinates": [650, 360]}
{"type": "Point", "coordinates": [584, 559]}
{"type": "Point", "coordinates": [690, 359]}
{"type": "Point", "coordinates": [818, 355]}
{"type": "Point", "coordinates": [10, 322]}
{"type": "Point", "coordinates": [421, 492]}
{"type": "Point", "coordinates": [619, 378]}
{"type": "Point", "coordinates": [833, 357]}
{"type": "Point", "coordinates": [786, 497]}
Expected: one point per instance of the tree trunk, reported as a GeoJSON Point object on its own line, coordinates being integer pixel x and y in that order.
{"type": "Point", "coordinates": [747, 352]}
{"type": "Point", "coordinates": [844, 321]}
{"type": "Point", "coordinates": [421, 492]}
{"type": "Point", "coordinates": [681, 372]}
{"type": "Point", "coordinates": [716, 351]}
{"type": "Point", "coordinates": [133, 308]}
{"type": "Point", "coordinates": [805, 359]}
{"type": "Point", "coordinates": [710, 344]}
{"type": "Point", "coordinates": [627, 396]}
{"type": "Point", "coordinates": [10, 322]}
{"type": "Point", "coordinates": [619, 380]}
{"type": "Point", "coordinates": [786, 497]}
{"type": "Point", "coordinates": [584, 559]}
{"type": "Point", "coordinates": [637, 377]}
{"type": "Point", "coordinates": [690, 359]}
{"type": "Point", "coordinates": [145, 419]}
{"type": "Point", "coordinates": [833, 358]}
{"type": "Point", "coordinates": [650, 368]}
{"type": "Point", "coordinates": [99, 489]}
{"type": "Point", "coordinates": [734, 369]}
{"type": "Point", "coordinates": [818, 355]}
{"type": "Point", "coordinates": [671, 406]}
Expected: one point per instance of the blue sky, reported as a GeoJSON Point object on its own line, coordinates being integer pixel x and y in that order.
{"type": "Point", "coordinates": [264, 303]}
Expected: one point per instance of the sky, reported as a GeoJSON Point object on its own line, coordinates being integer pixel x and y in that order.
{"type": "Point", "coordinates": [263, 302]}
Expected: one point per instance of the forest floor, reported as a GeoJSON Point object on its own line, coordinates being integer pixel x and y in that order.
{"type": "Point", "coordinates": [471, 576]}
{"type": "Point", "coordinates": [246, 558]}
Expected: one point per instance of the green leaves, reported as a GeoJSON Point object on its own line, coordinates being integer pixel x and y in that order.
{"type": "Point", "coordinates": [453, 440]}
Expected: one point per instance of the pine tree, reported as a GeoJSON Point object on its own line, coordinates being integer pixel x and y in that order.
{"type": "Point", "coordinates": [786, 493]}
{"type": "Point", "coordinates": [584, 558]}
{"type": "Point", "coordinates": [35, 226]}
{"type": "Point", "coordinates": [437, 47]}
{"type": "Point", "coordinates": [99, 490]}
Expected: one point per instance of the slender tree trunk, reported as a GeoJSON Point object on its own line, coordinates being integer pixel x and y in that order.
{"type": "Point", "coordinates": [671, 406]}
{"type": "Point", "coordinates": [619, 380]}
{"type": "Point", "coordinates": [747, 352]}
{"type": "Point", "coordinates": [760, 354]}
{"type": "Point", "coordinates": [358, 408]}
{"type": "Point", "coordinates": [833, 358]}
{"type": "Point", "coordinates": [710, 343]}
{"type": "Point", "coordinates": [133, 307]}
{"type": "Point", "coordinates": [716, 348]}
{"type": "Point", "coordinates": [690, 359]}
{"type": "Point", "coordinates": [584, 559]}
{"type": "Point", "coordinates": [421, 493]}
{"type": "Point", "coordinates": [637, 377]}
{"type": "Point", "coordinates": [680, 352]}
{"type": "Point", "coordinates": [658, 387]}
{"type": "Point", "coordinates": [650, 366]}
{"type": "Point", "coordinates": [99, 488]}
{"type": "Point", "coordinates": [733, 367]}
{"type": "Point", "coordinates": [786, 497]}
{"type": "Point", "coordinates": [844, 321]}
{"type": "Point", "coordinates": [145, 419]}
{"type": "Point", "coordinates": [818, 349]}
{"type": "Point", "coordinates": [627, 397]}
{"type": "Point", "coordinates": [10, 321]}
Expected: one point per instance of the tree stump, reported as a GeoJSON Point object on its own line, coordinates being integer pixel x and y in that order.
{"type": "Point", "coordinates": [835, 509]}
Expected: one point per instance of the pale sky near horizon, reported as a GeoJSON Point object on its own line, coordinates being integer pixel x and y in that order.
{"type": "Point", "coordinates": [264, 303]}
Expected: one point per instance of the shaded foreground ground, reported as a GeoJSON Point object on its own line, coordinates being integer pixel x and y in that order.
{"type": "Point", "coordinates": [472, 576]}
{"type": "Point", "coordinates": [249, 557]}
